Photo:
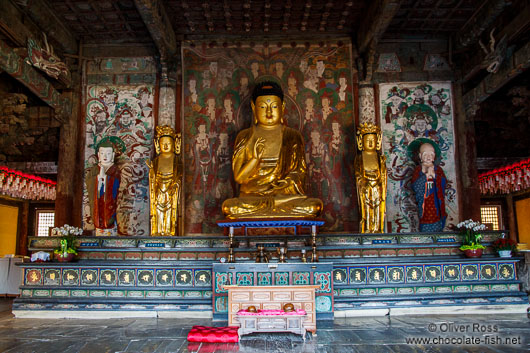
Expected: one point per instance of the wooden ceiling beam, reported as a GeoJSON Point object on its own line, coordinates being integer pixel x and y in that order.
{"type": "Point", "coordinates": [159, 26]}
{"type": "Point", "coordinates": [375, 22]}
{"type": "Point", "coordinates": [481, 19]}
{"type": "Point", "coordinates": [45, 18]}
{"type": "Point", "coordinates": [518, 25]}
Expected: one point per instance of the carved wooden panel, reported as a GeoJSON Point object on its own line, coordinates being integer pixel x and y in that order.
{"type": "Point", "coordinates": [272, 298]}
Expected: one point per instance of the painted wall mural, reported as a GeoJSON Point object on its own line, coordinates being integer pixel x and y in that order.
{"type": "Point", "coordinates": [119, 104]}
{"type": "Point", "coordinates": [412, 114]}
{"type": "Point", "coordinates": [317, 84]}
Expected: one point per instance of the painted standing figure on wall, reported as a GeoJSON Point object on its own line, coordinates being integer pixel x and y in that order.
{"type": "Point", "coordinates": [165, 183]}
{"type": "Point", "coordinates": [103, 184]}
{"type": "Point", "coordinates": [429, 182]}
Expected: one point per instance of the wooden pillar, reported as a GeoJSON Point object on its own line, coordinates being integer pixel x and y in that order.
{"type": "Point", "coordinates": [367, 104]}
{"type": "Point", "coordinates": [23, 229]}
{"type": "Point", "coordinates": [466, 155]}
{"type": "Point", "coordinates": [510, 216]}
{"type": "Point", "coordinates": [66, 169]}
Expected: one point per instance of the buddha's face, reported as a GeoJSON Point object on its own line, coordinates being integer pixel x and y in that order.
{"type": "Point", "coordinates": [315, 138]}
{"type": "Point", "coordinates": [223, 139]}
{"type": "Point", "coordinates": [436, 99]}
{"type": "Point", "coordinates": [369, 142]}
{"type": "Point", "coordinates": [396, 100]}
{"type": "Point", "coordinates": [244, 81]}
{"type": "Point", "coordinates": [303, 65]}
{"type": "Point", "coordinates": [202, 129]}
{"type": "Point", "coordinates": [325, 102]}
{"type": "Point", "coordinates": [144, 98]}
{"type": "Point", "coordinates": [309, 103]}
{"type": "Point", "coordinates": [227, 104]}
{"type": "Point", "coordinates": [193, 84]}
{"type": "Point", "coordinates": [126, 118]}
{"type": "Point", "coordinates": [167, 144]}
{"type": "Point", "coordinates": [106, 156]}
{"type": "Point", "coordinates": [342, 81]}
{"type": "Point", "coordinates": [101, 117]}
{"type": "Point", "coordinates": [427, 154]}
{"type": "Point", "coordinates": [211, 103]}
{"type": "Point", "coordinates": [335, 128]}
{"type": "Point", "coordinates": [421, 125]}
{"type": "Point", "coordinates": [268, 110]}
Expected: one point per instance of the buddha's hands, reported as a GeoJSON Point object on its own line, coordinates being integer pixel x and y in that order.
{"type": "Point", "coordinates": [101, 175]}
{"type": "Point", "coordinates": [259, 148]}
{"type": "Point", "coordinates": [428, 171]}
{"type": "Point", "coordinates": [280, 184]}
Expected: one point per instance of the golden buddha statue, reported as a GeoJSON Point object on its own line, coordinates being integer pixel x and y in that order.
{"type": "Point", "coordinates": [370, 175]}
{"type": "Point", "coordinates": [269, 164]}
{"type": "Point", "coordinates": [165, 183]}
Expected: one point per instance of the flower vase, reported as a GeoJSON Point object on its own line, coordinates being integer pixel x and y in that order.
{"type": "Point", "coordinates": [473, 253]}
{"type": "Point", "coordinates": [505, 253]}
{"type": "Point", "coordinates": [68, 257]}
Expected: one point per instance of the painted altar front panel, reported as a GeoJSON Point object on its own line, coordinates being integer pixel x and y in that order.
{"type": "Point", "coordinates": [119, 102]}
{"type": "Point", "coordinates": [317, 85]}
{"type": "Point", "coordinates": [399, 105]}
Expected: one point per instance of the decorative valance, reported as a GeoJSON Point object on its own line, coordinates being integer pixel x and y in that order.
{"type": "Point", "coordinates": [25, 186]}
{"type": "Point", "coordinates": [505, 180]}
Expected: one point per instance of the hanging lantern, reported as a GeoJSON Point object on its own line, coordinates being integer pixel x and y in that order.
{"type": "Point", "coordinates": [512, 178]}
{"type": "Point", "coordinates": [16, 184]}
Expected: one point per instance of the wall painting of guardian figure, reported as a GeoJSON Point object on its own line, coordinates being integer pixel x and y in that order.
{"type": "Point", "coordinates": [119, 104]}
{"type": "Point", "coordinates": [413, 114]}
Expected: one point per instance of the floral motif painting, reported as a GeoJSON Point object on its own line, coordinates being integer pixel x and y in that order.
{"type": "Point", "coordinates": [317, 84]}
{"type": "Point", "coordinates": [413, 114]}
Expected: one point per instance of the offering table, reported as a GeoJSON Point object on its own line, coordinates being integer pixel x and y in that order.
{"type": "Point", "coordinates": [272, 298]}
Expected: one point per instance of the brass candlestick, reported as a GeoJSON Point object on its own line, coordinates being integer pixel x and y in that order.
{"type": "Point", "coordinates": [281, 253]}
{"type": "Point", "coordinates": [231, 257]}
{"type": "Point", "coordinates": [261, 257]}
{"type": "Point", "coordinates": [314, 255]}
{"type": "Point", "coordinates": [304, 259]}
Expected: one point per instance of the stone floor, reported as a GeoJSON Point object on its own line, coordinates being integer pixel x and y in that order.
{"type": "Point", "coordinates": [372, 334]}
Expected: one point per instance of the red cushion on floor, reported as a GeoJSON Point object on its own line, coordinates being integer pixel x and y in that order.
{"type": "Point", "coordinates": [213, 334]}
{"type": "Point", "coordinates": [205, 347]}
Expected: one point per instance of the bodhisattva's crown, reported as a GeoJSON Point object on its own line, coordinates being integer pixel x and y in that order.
{"type": "Point", "coordinates": [165, 130]}
{"type": "Point", "coordinates": [368, 128]}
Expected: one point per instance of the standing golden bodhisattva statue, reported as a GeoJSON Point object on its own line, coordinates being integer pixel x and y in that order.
{"type": "Point", "coordinates": [165, 183]}
{"type": "Point", "coordinates": [269, 164]}
{"type": "Point", "coordinates": [370, 175]}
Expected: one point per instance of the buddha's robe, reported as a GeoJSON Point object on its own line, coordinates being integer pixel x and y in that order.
{"type": "Point", "coordinates": [275, 188]}
{"type": "Point", "coordinates": [103, 199]}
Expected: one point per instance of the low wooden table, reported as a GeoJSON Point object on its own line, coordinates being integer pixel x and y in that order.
{"type": "Point", "coordinates": [272, 298]}
{"type": "Point", "coordinates": [271, 323]}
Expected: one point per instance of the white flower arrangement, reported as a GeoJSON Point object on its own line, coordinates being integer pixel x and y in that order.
{"type": "Point", "coordinates": [472, 237]}
{"type": "Point", "coordinates": [67, 230]}
{"type": "Point", "coordinates": [470, 224]}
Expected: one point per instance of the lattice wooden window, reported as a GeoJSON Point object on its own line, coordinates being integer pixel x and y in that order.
{"type": "Point", "coordinates": [45, 220]}
{"type": "Point", "coordinates": [491, 216]}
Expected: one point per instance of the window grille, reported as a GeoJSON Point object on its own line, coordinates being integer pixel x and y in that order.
{"type": "Point", "coordinates": [45, 220]}
{"type": "Point", "coordinates": [491, 216]}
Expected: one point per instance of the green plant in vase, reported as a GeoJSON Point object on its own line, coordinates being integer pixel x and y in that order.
{"type": "Point", "coordinates": [471, 245]}
{"type": "Point", "coordinates": [67, 250]}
